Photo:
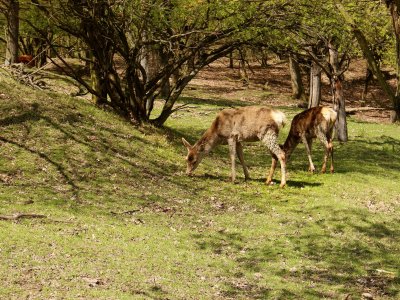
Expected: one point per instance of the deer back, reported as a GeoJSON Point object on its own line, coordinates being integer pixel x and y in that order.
{"type": "Point", "coordinates": [248, 123]}
{"type": "Point", "coordinates": [307, 121]}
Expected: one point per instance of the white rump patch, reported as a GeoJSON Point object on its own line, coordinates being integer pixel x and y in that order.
{"type": "Point", "coordinates": [329, 114]}
{"type": "Point", "coordinates": [279, 118]}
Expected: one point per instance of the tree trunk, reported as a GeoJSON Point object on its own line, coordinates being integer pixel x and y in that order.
{"type": "Point", "coordinates": [166, 88]}
{"type": "Point", "coordinates": [12, 32]}
{"type": "Point", "coordinates": [339, 107]}
{"type": "Point", "coordinates": [98, 84]}
{"type": "Point", "coordinates": [375, 69]}
{"type": "Point", "coordinates": [175, 93]}
{"type": "Point", "coordinates": [394, 11]}
{"type": "Point", "coordinates": [231, 60]}
{"type": "Point", "coordinates": [295, 75]}
{"type": "Point", "coordinates": [373, 64]}
{"type": "Point", "coordinates": [315, 85]}
{"type": "Point", "coordinates": [368, 78]}
{"type": "Point", "coordinates": [336, 80]}
{"type": "Point", "coordinates": [264, 58]}
{"type": "Point", "coordinates": [152, 61]}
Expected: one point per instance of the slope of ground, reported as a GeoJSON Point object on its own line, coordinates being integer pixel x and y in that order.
{"type": "Point", "coordinates": [122, 221]}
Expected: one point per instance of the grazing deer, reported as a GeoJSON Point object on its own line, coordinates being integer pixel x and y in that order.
{"type": "Point", "coordinates": [316, 122]}
{"type": "Point", "coordinates": [233, 126]}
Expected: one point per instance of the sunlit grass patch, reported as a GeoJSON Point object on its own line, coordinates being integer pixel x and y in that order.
{"type": "Point", "coordinates": [123, 221]}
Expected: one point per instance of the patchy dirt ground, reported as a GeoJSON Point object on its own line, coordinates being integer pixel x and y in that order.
{"type": "Point", "coordinates": [271, 86]}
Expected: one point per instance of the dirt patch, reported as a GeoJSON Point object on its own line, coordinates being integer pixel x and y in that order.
{"type": "Point", "coordinates": [271, 86]}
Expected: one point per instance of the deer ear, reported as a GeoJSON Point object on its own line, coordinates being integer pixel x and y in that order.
{"type": "Point", "coordinates": [186, 143]}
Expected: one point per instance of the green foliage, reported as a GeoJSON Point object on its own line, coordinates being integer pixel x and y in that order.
{"type": "Point", "coordinates": [377, 27]}
{"type": "Point", "coordinates": [190, 35]}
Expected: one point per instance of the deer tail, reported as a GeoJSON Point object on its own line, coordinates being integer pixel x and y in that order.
{"type": "Point", "coordinates": [279, 118]}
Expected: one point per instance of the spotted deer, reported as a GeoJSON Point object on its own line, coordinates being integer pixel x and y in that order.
{"type": "Point", "coordinates": [234, 126]}
{"type": "Point", "coordinates": [316, 122]}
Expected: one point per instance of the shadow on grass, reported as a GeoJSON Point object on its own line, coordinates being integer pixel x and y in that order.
{"type": "Point", "coordinates": [374, 156]}
{"type": "Point", "coordinates": [366, 156]}
{"type": "Point", "coordinates": [369, 156]}
{"type": "Point", "coordinates": [87, 133]}
{"type": "Point", "coordinates": [221, 103]}
{"type": "Point", "coordinates": [349, 249]}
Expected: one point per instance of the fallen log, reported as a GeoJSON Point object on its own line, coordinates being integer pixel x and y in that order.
{"type": "Point", "coordinates": [18, 216]}
{"type": "Point", "coordinates": [353, 110]}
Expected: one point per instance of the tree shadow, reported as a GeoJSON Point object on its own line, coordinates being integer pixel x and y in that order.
{"type": "Point", "coordinates": [86, 133]}
{"type": "Point", "coordinates": [34, 115]}
{"type": "Point", "coordinates": [61, 170]}
{"type": "Point", "coordinates": [336, 261]}
{"type": "Point", "coordinates": [235, 285]}
{"type": "Point", "coordinates": [348, 249]}
{"type": "Point", "coordinates": [302, 184]}
{"type": "Point", "coordinates": [213, 102]}
{"type": "Point", "coordinates": [376, 156]}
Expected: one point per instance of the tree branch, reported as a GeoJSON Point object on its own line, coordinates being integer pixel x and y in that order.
{"type": "Point", "coordinates": [18, 216]}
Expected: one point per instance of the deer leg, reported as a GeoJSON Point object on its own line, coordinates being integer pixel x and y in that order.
{"type": "Point", "coordinates": [239, 149]}
{"type": "Point", "coordinates": [272, 170]}
{"type": "Point", "coordinates": [330, 144]}
{"type": "Point", "coordinates": [270, 140]}
{"type": "Point", "coordinates": [232, 154]}
{"type": "Point", "coordinates": [324, 141]}
{"type": "Point", "coordinates": [308, 144]}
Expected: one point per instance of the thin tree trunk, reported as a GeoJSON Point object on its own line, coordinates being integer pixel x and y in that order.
{"type": "Point", "coordinates": [315, 85]}
{"type": "Point", "coordinates": [337, 94]}
{"type": "Point", "coordinates": [152, 61]}
{"type": "Point", "coordinates": [166, 88]}
{"type": "Point", "coordinates": [374, 67]}
{"type": "Point", "coordinates": [264, 59]}
{"type": "Point", "coordinates": [339, 107]}
{"type": "Point", "coordinates": [368, 77]}
{"type": "Point", "coordinates": [98, 84]}
{"type": "Point", "coordinates": [231, 60]}
{"type": "Point", "coordinates": [175, 93]}
{"type": "Point", "coordinates": [12, 32]}
{"type": "Point", "coordinates": [295, 75]}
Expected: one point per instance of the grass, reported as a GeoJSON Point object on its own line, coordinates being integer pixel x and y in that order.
{"type": "Point", "coordinates": [124, 222]}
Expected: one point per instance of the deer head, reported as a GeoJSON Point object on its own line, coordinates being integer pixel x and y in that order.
{"type": "Point", "coordinates": [194, 156]}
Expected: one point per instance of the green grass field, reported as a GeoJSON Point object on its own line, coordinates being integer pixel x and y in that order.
{"type": "Point", "coordinates": [123, 221]}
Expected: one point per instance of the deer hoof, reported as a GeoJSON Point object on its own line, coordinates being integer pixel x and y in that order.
{"type": "Point", "coordinates": [282, 185]}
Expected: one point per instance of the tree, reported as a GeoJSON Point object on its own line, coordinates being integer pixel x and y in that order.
{"type": "Point", "coordinates": [325, 41]}
{"type": "Point", "coordinates": [298, 91]}
{"type": "Point", "coordinates": [11, 10]}
{"type": "Point", "coordinates": [394, 7]}
{"type": "Point", "coordinates": [188, 35]}
{"type": "Point", "coordinates": [371, 58]}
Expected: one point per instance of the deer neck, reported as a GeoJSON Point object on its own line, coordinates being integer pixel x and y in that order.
{"type": "Point", "coordinates": [207, 142]}
{"type": "Point", "coordinates": [289, 145]}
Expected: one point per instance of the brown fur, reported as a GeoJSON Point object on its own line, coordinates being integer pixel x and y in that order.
{"type": "Point", "coordinates": [316, 122]}
{"type": "Point", "coordinates": [233, 126]}
{"type": "Point", "coordinates": [26, 59]}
